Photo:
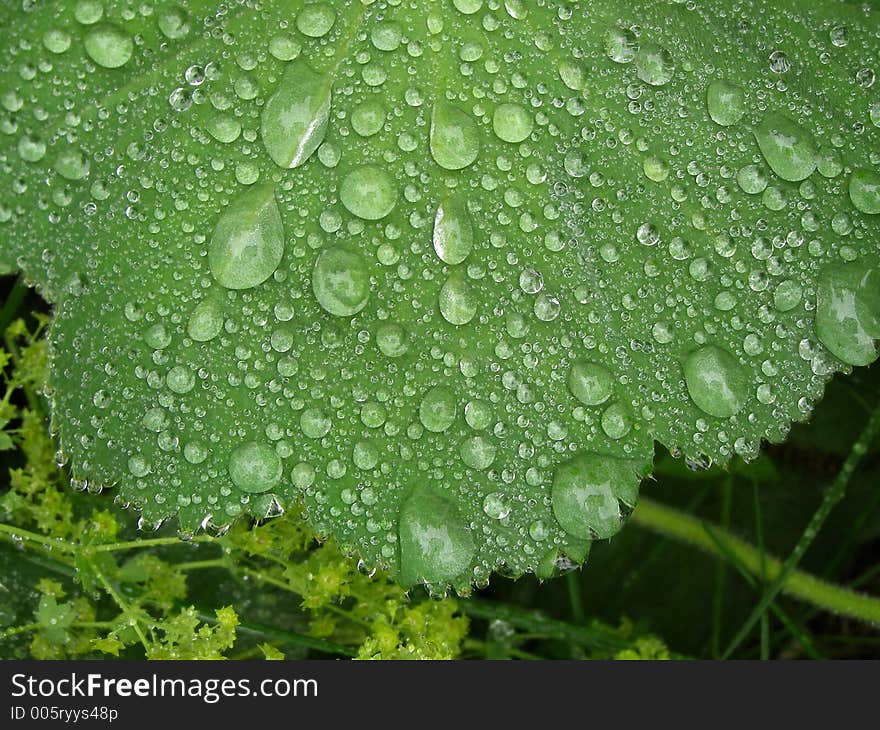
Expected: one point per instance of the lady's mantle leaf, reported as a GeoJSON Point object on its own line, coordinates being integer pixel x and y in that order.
{"type": "Point", "coordinates": [440, 271]}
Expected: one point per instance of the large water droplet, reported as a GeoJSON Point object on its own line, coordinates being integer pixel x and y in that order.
{"type": "Point", "coordinates": [458, 302]}
{"type": "Point", "coordinates": [620, 45]}
{"type": "Point", "coordinates": [654, 65]}
{"type": "Point", "coordinates": [294, 120]}
{"type": "Point", "coordinates": [788, 148]}
{"type": "Point", "coordinates": [72, 164]}
{"type": "Point", "coordinates": [725, 102]}
{"type": "Point", "coordinates": [848, 312]}
{"type": "Point", "coordinates": [435, 545]}
{"type": "Point", "coordinates": [455, 138]}
{"type": "Point", "coordinates": [589, 382]}
{"type": "Point", "coordinates": [248, 240]}
{"type": "Point", "coordinates": [864, 191]}
{"type": "Point", "coordinates": [206, 320]}
{"type": "Point", "coordinates": [392, 340]}
{"type": "Point", "coordinates": [587, 492]}
{"type": "Point", "coordinates": [437, 409]}
{"type": "Point", "coordinates": [254, 467]}
{"type": "Point", "coordinates": [316, 20]}
{"type": "Point", "coordinates": [367, 118]}
{"type": "Point", "coordinates": [109, 46]}
{"type": "Point", "coordinates": [368, 192]}
{"type": "Point", "coordinates": [453, 231]}
{"type": "Point", "coordinates": [716, 382]}
{"type": "Point", "coordinates": [477, 452]}
{"type": "Point", "coordinates": [512, 123]}
{"type": "Point", "coordinates": [341, 282]}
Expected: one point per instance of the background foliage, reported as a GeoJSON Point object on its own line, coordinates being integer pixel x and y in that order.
{"type": "Point", "coordinates": [78, 579]}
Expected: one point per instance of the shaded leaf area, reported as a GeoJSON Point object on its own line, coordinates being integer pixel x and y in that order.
{"type": "Point", "coordinates": [439, 274]}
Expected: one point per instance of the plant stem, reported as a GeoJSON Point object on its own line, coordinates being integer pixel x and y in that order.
{"type": "Point", "coordinates": [541, 625]}
{"type": "Point", "coordinates": [25, 628]}
{"type": "Point", "coordinates": [692, 531]}
{"type": "Point", "coordinates": [833, 495]}
{"type": "Point", "coordinates": [574, 596]}
{"type": "Point", "coordinates": [12, 303]}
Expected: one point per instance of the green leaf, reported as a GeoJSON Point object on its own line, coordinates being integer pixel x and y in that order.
{"type": "Point", "coordinates": [441, 272]}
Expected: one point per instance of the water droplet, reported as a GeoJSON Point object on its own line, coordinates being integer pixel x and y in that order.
{"type": "Point", "coordinates": [848, 312]}
{"type": "Point", "coordinates": [386, 36]}
{"type": "Point", "coordinates": [654, 65]}
{"type": "Point", "coordinates": [138, 466]}
{"type": "Point", "coordinates": [453, 231]}
{"type": "Point", "coordinates": [72, 164]}
{"type": "Point", "coordinates": [206, 320]}
{"type": "Point", "coordinates": [341, 282]}
{"type": "Point", "coordinates": [787, 147]}
{"type": "Point", "coordinates": [495, 506]}
{"type": "Point", "coordinates": [254, 467]}
{"type": "Point", "coordinates": [512, 123]}
{"type": "Point", "coordinates": [284, 47]}
{"type": "Point", "coordinates": [655, 169]}
{"type": "Point", "coordinates": [458, 302]}
{"type": "Point", "coordinates": [478, 414]}
{"type": "Point", "coordinates": [195, 452]}
{"type": "Point", "coordinates": [620, 45]}
{"type": "Point", "coordinates": [752, 179]}
{"type": "Point", "coordinates": [367, 118]}
{"type": "Point", "coordinates": [477, 452]}
{"type": "Point", "coordinates": [455, 138]}
{"type": "Point", "coordinates": [316, 20]}
{"type": "Point", "coordinates": [314, 423]}
{"type": "Point", "coordinates": [56, 40]}
{"type": "Point", "coordinates": [248, 240]}
{"type": "Point", "coordinates": [368, 192]}
{"type": "Point", "coordinates": [31, 149]}
{"type": "Point", "coordinates": [88, 12]}
{"type": "Point", "coordinates": [224, 128]}
{"type": "Point", "coordinates": [109, 46]}
{"type": "Point", "coordinates": [437, 409]}
{"type": "Point", "coordinates": [787, 295]}
{"type": "Point", "coordinates": [726, 103]}
{"type": "Point", "coordinates": [365, 455]}
{"type": "Point", "coordinates": [715, 381]}
{"type": "Point", "coordinates": [864, 191]}
{"type": "Point", "coordinates": [173, 22]}
{"type": "Point", "coordinates": [294, 120]}
{"type": "Point", "coordinates": [180, 379]}
{"type": "Point", "coordinates": [587, 492]}
{"type": "Point", "coordinates": [589, 382]}
{"type": "Point", "coordinates": [617, 421]}
{"type": "Point", "coordinates": [435, 545]}
{"type": "Point", "coordinates": [392, 340]}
